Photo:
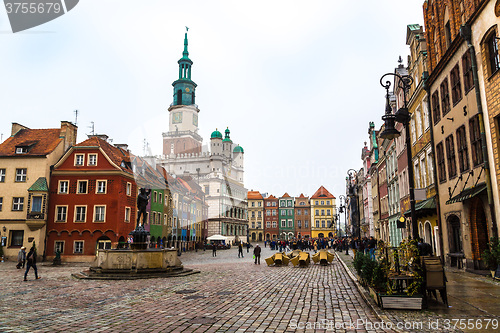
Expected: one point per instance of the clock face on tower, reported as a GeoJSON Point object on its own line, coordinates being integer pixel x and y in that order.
{"type": "Point", "coordinates": [177, 117]}
{"type": "Point", "coordinates": [187, 89]}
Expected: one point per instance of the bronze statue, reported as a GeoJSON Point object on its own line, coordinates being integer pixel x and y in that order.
{"type": "Point", "coordinates": [142, 203]}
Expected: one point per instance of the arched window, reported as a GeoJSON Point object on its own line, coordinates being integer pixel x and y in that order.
{"type": "Point", "coordinates": [179, 97]}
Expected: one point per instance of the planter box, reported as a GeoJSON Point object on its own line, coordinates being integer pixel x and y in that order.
{"type": "Point", "coordinates": [402, 302]}
{"type": "Point", "coordinates": [374, 295]}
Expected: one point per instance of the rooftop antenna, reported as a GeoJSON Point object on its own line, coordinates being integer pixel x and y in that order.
{"type": "Point", "coordinates": [76, 117]}
{"type": "Point", "coordinates": [92, 127]}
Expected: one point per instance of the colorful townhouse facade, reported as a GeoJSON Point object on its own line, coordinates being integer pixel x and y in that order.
{"type": "Point", "coordinates": [302, 217]}
{"type": "Point", "coordinates": [323, 210]}
{"type": "Point", "coordinates": [92, 200]}
{"type": "Point", "coordinates": [271, 218]}
{"type": "Point", "coordinates": [26, 158]}
{"type": "Point", "coordinates": [286, 217]}
{"type": "Point", "coordinates": [255, 216]}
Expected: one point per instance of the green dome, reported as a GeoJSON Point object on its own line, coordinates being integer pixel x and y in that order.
{"type": "Point", "coordinates": [216, 135]}
{"type": "Point", "coordinates": [238, 149]}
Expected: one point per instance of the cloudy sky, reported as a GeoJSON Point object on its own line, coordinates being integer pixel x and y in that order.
{"type": "Point", "coordinates": [296, 82]}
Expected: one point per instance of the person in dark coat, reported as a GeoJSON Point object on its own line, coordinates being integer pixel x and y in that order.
{"type": "Point", "coordinates": [214, 250]}
{"type": "Point", "coordinates": [31, 262]}
{"type": "Point", "coordinates": [240, 250]}
{"type": "Point", "coordinates": [256, 253]}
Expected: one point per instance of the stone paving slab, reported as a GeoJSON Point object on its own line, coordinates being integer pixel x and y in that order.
{"type": "Point", "coordinates": [230, 294]}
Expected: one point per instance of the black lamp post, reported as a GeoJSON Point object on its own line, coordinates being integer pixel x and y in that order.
{"type": "Point", "coordinates": [341, 210]}
{"type": "Point", "coordinates": [390, 132]}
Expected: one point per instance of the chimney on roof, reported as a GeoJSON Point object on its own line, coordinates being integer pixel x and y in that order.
{"type": "Point", "coordinates": [99, 136]}
{"type": "Point", "coordinates": [68, 133]}
{"type": "Point", "coordinates": [16, 128]}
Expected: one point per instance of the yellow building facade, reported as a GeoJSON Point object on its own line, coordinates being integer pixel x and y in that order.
{"type": "Point", "coordinates": [323, 211]}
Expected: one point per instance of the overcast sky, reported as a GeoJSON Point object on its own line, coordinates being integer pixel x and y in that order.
{"type": "Point", "coordinates": [296, 82]}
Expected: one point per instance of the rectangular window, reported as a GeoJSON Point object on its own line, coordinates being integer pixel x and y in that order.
{"type": "Point", "coordinates": [328, 212]}
{"type": "Point", "coordinates": [426, 113]}
{"type": "Point", "coordinates": [463, 151]}
{"type": "Point", "coordinates": [129, 189]}
{"type": "Point", "coordinates": [18, 204]}
{"type": "Point", "coordinates": [306, 212]}
{"type": "Point", "coordinates": [283, 223]}
{"type": "Point", "coordinates": [316, 202]}
{"type": "Point", "coordinates": [268, 224]}
{"type": "Point", "coordinates": [290, 223]}
{"type": "Point", "coordinates": [323, 224]}
{"type": "Point", "coordinates": [16, 238]}
{"type": "Point", "coordinates": [494, 60]}
{"type": "Point", "coordinates": [456, 89]}
{"type": "Point", "coordinates": [306, 224]}
{"type": "Point", "coordinates": [467, 72]}
{"type": "Point", "coordinates": [322, 203]}
{"type": "Point", "coordinates": [274, 212]}
{"type": "Point", "coordinates": [260, 204]}
{"type": "Point", "coordinates": [61, 213]}
{"type": "Point", "coordinates": [445, 97]}
{"type": "Point", "coordinates": [79, 159]}
{"type": "Point", "coordinates": [268, 204]}
{"type": "Point", "coordinates": [63, 186]}
{"type": "Point", "coordinates": [282, 204]}
{"type": "Point", "coordinates": [59, 247]}
{"type": "Point", "coordinates": [21, 175]}
{"type": "Point", "coordinates": [274, 224]}
{"type": "Point", "coordinates": [92, 160]}
{"type": "Point", "coordinates": [80, 213]}
{"type": "Point", "coordinates": [82, 186]}
{"type": "Point", "coordinates": [290, 212]}
{"type": "Point", "coordinates": [36, 204]}
{"type": "Point", "coordinates": [101, 186]}
{"type": "Point", "coordinates": [317, 211]}
{"type": "Point", "coordinates": [475, 141]}
{"type": "Point", "coordinates": [253, 204]}
{"type": "Point", "coordinates": [259, 225]}
{"type": "Point", "coordinates": [259, 214]}
{"type": "Point", "coordinates": [323, 212]}
{"type": "Point", "coordinates": [127, 214]}
{"type": "Point", "coordinates": [268, 213]}
{"type": "Point", "coordinates": [99, 213]}
{"type": "Point", "coordinates": [440, 162]}
{"type": "Point", "coordinates": [78, 247]}
{"type": "Point", "coordinates": [450, 156]}
{"type": "Point", "coordinates": [430, 166]}
{"type": "Point", "coordinates": [317, 223]}
{"type": "Point", "coordinates": [2, 175]}
{"type": "Point", "coordinates": [299, 212]}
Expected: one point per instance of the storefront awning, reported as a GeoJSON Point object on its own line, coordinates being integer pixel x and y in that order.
{"type": "Point", "coordinates": [467, 194]}
{"type": "Point", "coordinates": [423, 208]}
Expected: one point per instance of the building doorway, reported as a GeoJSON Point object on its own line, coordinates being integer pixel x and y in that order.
{"type": "Point", "coordinates": [478, 232]}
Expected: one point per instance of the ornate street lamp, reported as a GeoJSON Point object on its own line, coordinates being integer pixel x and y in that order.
{"type": "Point", "coordinates": [356, 231]}
{"type": "Point", "coordinates": [390, 132]}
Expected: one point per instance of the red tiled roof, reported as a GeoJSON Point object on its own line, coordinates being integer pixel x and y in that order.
{"type": "Point", "coordinates": [302, 195]}
{"type": "Point", "coordinates": [116, 154]}
{"type": "Point", "coordinates": [286, 195]}
{"type": "Point", "coordinates": [322, 193]}
{"type": "Point", "coordinates": [254, 195]}
{"type": "Point", "coordinates": [271, 197]}
{"type": "Point", "coordinates": [41, 142]}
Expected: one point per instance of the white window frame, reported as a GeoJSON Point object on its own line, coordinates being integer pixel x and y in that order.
{"type": "Point", "coordinates": [86, 187]}
{"type": "Point", "coordinates": [57, 212]}
{"type": "Point", "coordinates": [2, 175]}
{"type": "Point", "coordinates": [19, 204]}
{"type": "Point", "coordinates": [95, 214]}
{"type": "Point", "coordinates": [128, 214]}
{"type": "Point", "coordinates": [89, 159]}
{"type": "Point", "coordinates": [275, 224]}
{"type": "Point", "coordinates": [56, 247]}
{"type": "Point", "coordinates": [59, 187]}
{"type": "Point", "coordinates": [21, 175]}
{"type": "Point", "coordinates": [77, 156]}
{"type": "Point", "coordinates": [97, 182]}
{"type": "Point", "coordinates": [75, 217]}
{"type": "Point", "coordinates": [82, 246]}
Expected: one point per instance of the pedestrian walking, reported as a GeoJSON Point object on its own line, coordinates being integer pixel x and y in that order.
{"type": "Point", "coordinates": [240, 250]}
{"type": "Point", "coordinates": [256, 253]}
{"type": "Point", "coordinates": [21, 258]}
{"type": "Point", "coordinates": [31, 262]}
{"type": "Point", "coordinates": [214, 250]}
{"type": "Point", "coordinates": [248, 247]}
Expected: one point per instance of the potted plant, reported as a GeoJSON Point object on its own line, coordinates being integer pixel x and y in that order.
{"type": "Point", "coordinates": [491, 255]}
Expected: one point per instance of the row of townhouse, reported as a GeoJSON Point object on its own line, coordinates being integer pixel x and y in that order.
{"type": "Point", "coordinates": [78, 198]}
{"type": "Point", "coordinates": [286, 217]}
{"type": "Point", "coordinates": [454, 133]}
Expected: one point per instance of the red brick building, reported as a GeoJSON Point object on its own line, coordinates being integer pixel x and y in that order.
{"type": "Point", "coordinates": [302, 217]}
{"type": "Point", "coordinates": [271, 226]}
{"type": "Point", "coordinates": [92, 200]}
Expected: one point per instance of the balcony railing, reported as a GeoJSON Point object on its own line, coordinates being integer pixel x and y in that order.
{"type": "Point", "coordinates": [35, 216]}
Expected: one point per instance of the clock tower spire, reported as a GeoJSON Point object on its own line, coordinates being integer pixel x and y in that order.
{"type": "Point", "coordinates": [184, 87]}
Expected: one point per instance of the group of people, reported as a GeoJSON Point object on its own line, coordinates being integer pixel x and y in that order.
{"type": "Point", "coordinates": [28, 260]}
{"type": "Point", "coordinates": [301, 244]}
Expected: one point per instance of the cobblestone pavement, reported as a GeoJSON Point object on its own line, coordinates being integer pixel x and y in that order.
{"type": "Point", "coordinates": [474, 302]}
{"type": "Point", "coordinates": [230, 294]}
